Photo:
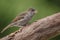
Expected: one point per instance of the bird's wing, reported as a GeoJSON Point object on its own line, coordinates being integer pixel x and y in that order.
{"type": "Point", "coordinates": [19, 17]}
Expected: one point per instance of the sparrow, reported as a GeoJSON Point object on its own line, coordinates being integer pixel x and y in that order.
{"type": "Point", "coordinates": [21, 19]}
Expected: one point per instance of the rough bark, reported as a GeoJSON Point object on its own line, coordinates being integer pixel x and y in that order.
{"type": "Point", "coordinates": [41, 29]}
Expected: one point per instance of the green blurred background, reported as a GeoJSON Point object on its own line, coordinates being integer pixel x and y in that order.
{"type": "Point", "coordinates": [10, 8]}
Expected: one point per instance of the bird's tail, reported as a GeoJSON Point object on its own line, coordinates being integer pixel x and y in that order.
{"type": "Point", "coordinates": [6, 28]}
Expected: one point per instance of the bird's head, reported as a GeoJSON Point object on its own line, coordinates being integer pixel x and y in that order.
{"type": "Point", "coordinates": [32, 10]}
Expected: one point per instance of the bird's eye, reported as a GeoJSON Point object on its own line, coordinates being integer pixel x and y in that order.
{"type": "Point", "coordinates": [31, 9]}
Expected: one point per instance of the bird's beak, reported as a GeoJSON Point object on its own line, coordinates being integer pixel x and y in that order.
{"type": "Point", "coordinates": [35, 11]}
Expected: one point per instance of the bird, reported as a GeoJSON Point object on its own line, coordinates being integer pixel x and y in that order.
{"type": "Point", "coordinates": [21, 19]}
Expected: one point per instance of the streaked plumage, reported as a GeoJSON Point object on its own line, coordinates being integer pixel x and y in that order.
{"type": "Point", "coordinates": [22, 19]}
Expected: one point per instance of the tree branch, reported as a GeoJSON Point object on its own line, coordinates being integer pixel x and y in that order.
{"type": "Point", "coordinates": [42, 29]}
